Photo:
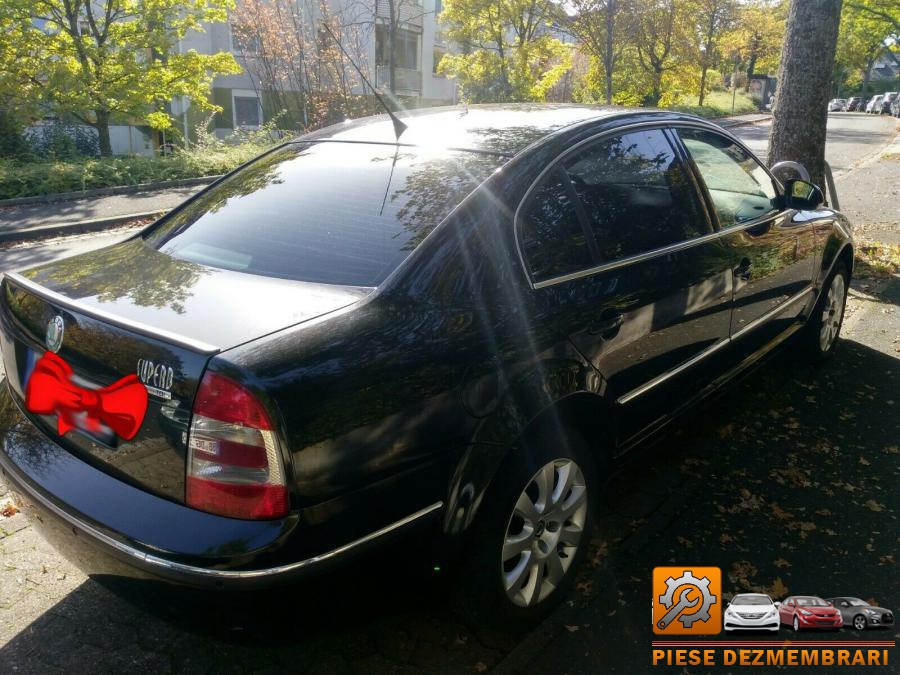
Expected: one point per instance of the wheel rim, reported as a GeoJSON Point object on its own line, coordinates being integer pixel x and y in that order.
{"type": "Point", "coordinates": [833, 312]}
{"type": "Point", "coordinates": [544, 532]}
{"type": "Point", "coordinates": [796, 624]}
{"type": "Point", "coordinates": [859, 622]}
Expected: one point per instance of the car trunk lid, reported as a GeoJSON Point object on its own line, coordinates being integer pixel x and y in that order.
{"type": "Point", "coordinates": [143, 313]}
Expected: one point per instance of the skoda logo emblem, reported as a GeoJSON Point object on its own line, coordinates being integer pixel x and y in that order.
{"type": "Point", "coordinates": [55, 330]}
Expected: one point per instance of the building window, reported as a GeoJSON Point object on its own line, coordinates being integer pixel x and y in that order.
{"type": "Point", "coordinates": [438, 7]}
{"type": "Point", "coordinates": [438, 55]}
{"type": "Point", "coordinates": [243, 41]}
{"type": "Point", "coordinates": [407, 48]}
{"type": "Point", "coordinates": [247, 111]}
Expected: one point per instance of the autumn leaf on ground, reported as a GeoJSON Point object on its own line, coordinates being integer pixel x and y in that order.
{"type": "Point", "coordinates": [687, 543]}
{"type": "Point", "coordinates": [823, 512]}
{"type": "Point", "coordinates": [571, 628]}
{"type": "Point", "coordinates": [887, 560]}
{"type": "Point", "coordinates": [864, 461]}
{"type": "Point", "coordinates": [725, 538]}
{"type": "Point", "coordinates": [872, 505]}
{"type": "Point", "coordinates": [481, 667]}
{"type": "Point", "coordinates": [782, 563]}
{"type": "Point", "coordinates": [891, 450]}
{"type": "Point", "coordinates": [780, 513]}
{"type": "Point", "coordinates": [9, 510]}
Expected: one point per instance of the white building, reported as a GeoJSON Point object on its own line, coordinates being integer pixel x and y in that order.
{"type": "Point", "coordinates": [419, 46]}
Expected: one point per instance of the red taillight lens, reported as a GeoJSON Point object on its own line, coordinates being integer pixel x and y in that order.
{"type": "Point", "coordinates": [234, 461]}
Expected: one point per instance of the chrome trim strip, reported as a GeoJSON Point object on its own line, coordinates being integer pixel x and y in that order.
{"type": "Point", "coordinates": [775, 311]}
{"type": "Point", "coordinates": [648, 255]}
{"type": "Point", "coordinates": [93, 312]}
{"type": "Point", "coordinates": [226, 575]}
{"type": "Point", "coordinates": [659, 379]}
{"type": "Point", "coordinates": [655, 253]}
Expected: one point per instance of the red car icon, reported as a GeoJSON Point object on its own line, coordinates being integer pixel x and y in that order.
{"type": "Point", "coordinates": [808, 611]}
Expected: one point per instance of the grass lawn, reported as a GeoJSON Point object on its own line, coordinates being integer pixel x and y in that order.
{"type": "Point", "coordinates": [718, 104]}
{"type": "Point", "coordinates": [26, 179]}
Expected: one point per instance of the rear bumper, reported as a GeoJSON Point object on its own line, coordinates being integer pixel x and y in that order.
{"type": "Point", "coordinates": [108, 527]}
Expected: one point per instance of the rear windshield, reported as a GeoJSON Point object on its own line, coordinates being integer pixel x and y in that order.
{"type": "Point", "coordinates": [334, 213]}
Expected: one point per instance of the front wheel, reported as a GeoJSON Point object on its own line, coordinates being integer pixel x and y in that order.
{"type": "Point", "coordinates": [859, 622]}
{"type": "Point", "coordinates": [796, 625]}
{"type": "Point", "coordinates": [824, 324]}
{"type": "Point", "coordinates": [533, 532]}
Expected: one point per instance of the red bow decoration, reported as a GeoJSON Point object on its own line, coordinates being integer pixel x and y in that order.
{"type": "Point", "coordinates": [121, 406]}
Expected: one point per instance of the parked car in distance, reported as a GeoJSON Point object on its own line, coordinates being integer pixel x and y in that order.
{"type": "Point", "coordinates": [895, 106]}
{"type": "Point", "coordinates": [861, 615]}
{"type": "Point", "coordinates": [853, 104]}
{"type": "Point", "coordinates": [874, 105]}
{"type": "Point", "coordinates": [836, 104]}
{"type": "Point", "coordinates": [808, 611]}
{"type": "Point", "coordinates": [349, 337]}
{"type": "Point", "coordinates": [751, 611]}
{"type": "Point", "coordinates": [887, 101]}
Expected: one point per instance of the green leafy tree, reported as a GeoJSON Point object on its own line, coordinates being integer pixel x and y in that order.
{"type": "Point", "coordinates": [756, 36]}
{"type": "Point", "coordinates": [509, 51]}
{"type": "Point", "coordinates": [867, 28]}
{"type": "Point", "coordinates": [713, 18]}
{"type": "Point", "coordinates": [96, 59]}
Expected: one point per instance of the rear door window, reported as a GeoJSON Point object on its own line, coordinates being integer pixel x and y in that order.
{"type": "Point", "coordinates": [335, 213]}
{"type": "Point", "coordinates": [552, 236]}
{"type": "Point", "coordinates": [637, 195]}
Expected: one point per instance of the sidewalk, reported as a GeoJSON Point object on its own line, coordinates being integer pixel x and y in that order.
{"type": "Point", "coordinates": [19, 223]}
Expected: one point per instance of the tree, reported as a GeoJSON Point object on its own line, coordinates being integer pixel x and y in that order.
{"type": "Point", "coordinates": [756, 36]}
{"type": "Point", "coordinates": [659, 32]}
{"type": "Point", "coordinates": [101, 58]}
{"type": "Point", "coordinates": [864, 34]}
{"type": "Point", "coordinates": [713, 18]}
{"type": "Point", "coordinates": [886, 10]}
{"type": "Point", "coordinates": [509, 52]}
{"type": "Point", "coordinates": [800, 113]}
{"type": "Point", "coordinates": [600, 26]}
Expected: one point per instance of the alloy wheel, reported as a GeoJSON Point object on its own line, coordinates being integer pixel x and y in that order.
{"type": "Point", "coordinates": [796, 625]}
{"type": "Point", "coordinates": [833, 312]}
{"type": "Point", "coordinates": [544, 532]}
{"type": "Point", "coordinates": [859, 623]}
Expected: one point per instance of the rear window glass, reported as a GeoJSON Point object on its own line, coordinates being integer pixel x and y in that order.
{"type": "Point", "coordinates": [335, 213]}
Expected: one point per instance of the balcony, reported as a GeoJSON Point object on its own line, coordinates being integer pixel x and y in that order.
{"type": "Point", "coordinates": [407, 81]}
{"type": "Point", "coordinates": [411, 13]}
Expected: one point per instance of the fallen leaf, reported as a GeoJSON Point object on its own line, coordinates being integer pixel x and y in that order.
{"type": "Point", "coordinates": [571, 628]}
{"type": "Point", "coordinates": [864, 461]}
{"type": "Point", "coordinates": [872, 505]}
{"type": "Point", "coordinates": [9, 510]}
{"type": "Point", "coordinates": [782, 563]}
{"type": "Point", "coordinates": [481, 667]}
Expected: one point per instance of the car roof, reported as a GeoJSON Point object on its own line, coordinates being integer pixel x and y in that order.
{"type": "Point", "coordinates": [502, 129]}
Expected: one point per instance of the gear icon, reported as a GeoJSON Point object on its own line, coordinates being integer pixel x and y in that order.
{"type": "Point", "coordinates": [688, 579]}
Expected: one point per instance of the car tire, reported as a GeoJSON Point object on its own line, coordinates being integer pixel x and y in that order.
{"type": "Point", "coordinates": [796, 625]}
{"type": "Point", "coordinates": [530, 536]}
{"type": "Point", "coordinates": [859, 622]}
{"type": "Point", "coordinates": [820, 334]}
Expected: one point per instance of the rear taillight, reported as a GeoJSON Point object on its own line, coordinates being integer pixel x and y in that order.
{"type": "Point", "coordinates": [234, 465]}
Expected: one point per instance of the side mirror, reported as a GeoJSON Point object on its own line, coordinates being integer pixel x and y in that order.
{"type": "Point", "coordinates": [803, 195]}
{"type": "Point", "coordinates": [830, 603]}
{"type": "Point", "coordinates": [778, 604]}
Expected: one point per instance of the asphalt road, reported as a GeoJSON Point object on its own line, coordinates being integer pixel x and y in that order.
{"type": "Point", "coordinates": [788, 483]}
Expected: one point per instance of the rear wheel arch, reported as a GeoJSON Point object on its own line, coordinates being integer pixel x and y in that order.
{"type": "Point", "coordinates": [582, 417]}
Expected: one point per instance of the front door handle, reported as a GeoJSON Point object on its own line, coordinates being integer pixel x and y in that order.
{"type": "Point", "coordinates": [607, 325]}
{"type": "Point", "coordinates": [744, 270]}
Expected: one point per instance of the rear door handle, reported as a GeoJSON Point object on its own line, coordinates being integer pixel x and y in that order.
{"type": "Point", "coordinates": [744, 270]}
{"type": "Point", "coordinates": [607, 325]}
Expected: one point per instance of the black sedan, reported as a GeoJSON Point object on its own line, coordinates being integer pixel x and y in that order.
{"type": "Point", "coordinates": [353, 335]}
{"type": "Point", "coordinates": [861, 615]}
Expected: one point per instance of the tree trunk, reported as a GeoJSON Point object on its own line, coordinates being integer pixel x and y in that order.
{"type": "Point", "coordinates": [702, 84]}
{"type": "Point", "coordinates": [102, 127]}
{"type": "Point", "coordinates": [751, 67]}
{"type": "Point", "coordinates": [800, 112]}
{"type": "Point", "coordinates": [609, 56]}
{"type": "Point", "coordinates": [867, 75]}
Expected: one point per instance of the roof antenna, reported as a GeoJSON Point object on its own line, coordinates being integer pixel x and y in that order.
{"type": "Point", "coordinates": [399, 126]}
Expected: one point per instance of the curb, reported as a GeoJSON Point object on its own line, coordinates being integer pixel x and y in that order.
{"type": "Point", "coordinates": [102, 192]}
{"type": "Point", "coordinates": [80, 227]}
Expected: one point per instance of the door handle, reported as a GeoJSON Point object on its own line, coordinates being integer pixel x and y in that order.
{"type": "Point", "coordinates": [744, 270]}
{"type": "Point", "coordinates": [607, 325]}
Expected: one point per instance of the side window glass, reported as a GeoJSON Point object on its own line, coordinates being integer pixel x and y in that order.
{"type": "Point", "coordinates": [553, 241]}
{"type": "Point", "coordinates": [740, 188]}
{"type": "Point", "coordinates": [637, 195]}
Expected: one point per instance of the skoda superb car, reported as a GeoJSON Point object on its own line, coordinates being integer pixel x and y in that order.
{"type": "Point", "coordinates": [861, 615]}
{"type": "Point", "coordinates": [807, 611]}
{"type": "Point", "coordinates": [751, 611]}
{"type": "Point", "coordinates": [354, 335]}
